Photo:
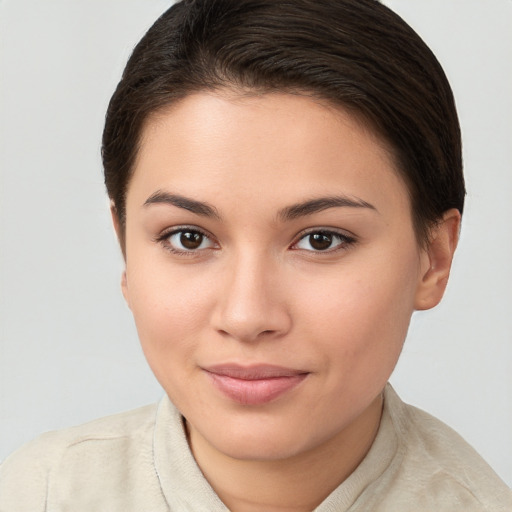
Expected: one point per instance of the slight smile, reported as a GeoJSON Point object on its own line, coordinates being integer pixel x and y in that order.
{"type": "Point", "coordinates": [254, 385]}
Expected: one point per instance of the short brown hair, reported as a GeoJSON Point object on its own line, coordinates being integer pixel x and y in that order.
{"type": "Point", "coordinates": [357, 54]}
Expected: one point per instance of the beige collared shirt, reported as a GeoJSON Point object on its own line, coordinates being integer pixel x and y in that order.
{"type": "Point", "coordinates": [140, 461]}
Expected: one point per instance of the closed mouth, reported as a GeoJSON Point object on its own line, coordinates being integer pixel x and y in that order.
{"type": "Point", "coordinates": [256, 384]}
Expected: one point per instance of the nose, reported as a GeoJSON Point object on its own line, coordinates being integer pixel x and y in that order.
{"type": "Point", "coordinates": [251, 304]}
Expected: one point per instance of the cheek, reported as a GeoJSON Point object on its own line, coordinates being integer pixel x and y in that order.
{"type": "Point", "coordinates": [361, 315]}
{"type": "Point", "coordinates": [169, 309]}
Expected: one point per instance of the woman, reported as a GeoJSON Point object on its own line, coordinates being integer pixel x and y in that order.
{"type": "Point", "coordinates": [285, 197]}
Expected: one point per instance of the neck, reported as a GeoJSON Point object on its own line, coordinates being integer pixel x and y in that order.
{"type": "Point", "coordinates": [296, 484]}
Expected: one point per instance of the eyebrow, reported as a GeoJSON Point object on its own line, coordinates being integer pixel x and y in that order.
{"type": "Point", "coordinates": [322, 203]}
{"type": "Point", "coordinates": [286, 214]}
{"type": "Point", "coordinates": [197, 207]}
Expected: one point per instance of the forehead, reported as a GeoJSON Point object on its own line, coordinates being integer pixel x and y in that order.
{"type": "Point", "coordinates": [215, 113]}
{"type": "Point", "coordinates": [270, 145]}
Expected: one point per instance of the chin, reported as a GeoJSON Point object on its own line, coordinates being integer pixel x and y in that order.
{"type": "Point", "coordinates": [259, 442]}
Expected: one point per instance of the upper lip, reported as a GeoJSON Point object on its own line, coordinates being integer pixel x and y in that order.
{"type": "Point", "coordinates": [253, 372]}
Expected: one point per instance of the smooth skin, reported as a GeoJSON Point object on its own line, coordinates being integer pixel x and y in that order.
{"type": "Point", "coordinates": [232, 259]}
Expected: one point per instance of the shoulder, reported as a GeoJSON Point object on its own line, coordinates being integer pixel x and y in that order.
{"type": "Point", "coordinates": [442, 466]}
{"type": "Point", "coordinates": [26, 476]}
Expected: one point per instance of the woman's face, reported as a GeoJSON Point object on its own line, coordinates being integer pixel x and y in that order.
{"type": "Point", "coordinates": [271, 266]}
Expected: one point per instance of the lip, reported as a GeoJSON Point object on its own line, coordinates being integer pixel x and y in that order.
{"type": "Point", "coordinates": [256, 384]}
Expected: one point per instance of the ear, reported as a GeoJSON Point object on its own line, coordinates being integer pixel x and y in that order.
{"type": "Point", "coordinates": [118, 228]}
{"type": "Point", "coordinates": [120, 238]}
{"type": "Point", "coordinates": [124, 288]}
{"type": "Point", "coordinates": [115, 220]}
{"type": "Point", "coordinates": [437, 260]}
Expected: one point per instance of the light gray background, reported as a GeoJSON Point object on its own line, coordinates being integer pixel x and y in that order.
{"type": "Point", "coordinates": [68, 347]}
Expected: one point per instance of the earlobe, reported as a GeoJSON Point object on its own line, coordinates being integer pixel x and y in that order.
{"type": "Point", "coordinates": [438, 258]}
{"type": "Point", "coordinates": [124, 288]}
{"type": "Point", "coordinates": [117, 228]}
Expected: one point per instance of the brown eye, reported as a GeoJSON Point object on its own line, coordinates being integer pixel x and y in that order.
{"type": "Point", "coordinates": [327, 241]}
{"type": "Point", "coordinates": [188, 240]}
{"type": "Point", "coordinates": [191, 239]}
{"type": "Point", "coordinates": [320, 241]}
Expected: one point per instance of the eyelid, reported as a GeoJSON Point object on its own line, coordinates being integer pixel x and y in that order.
{"type": "Point", "coordinates": [167, 232]}
{"type": "Point", "coordinates": [347, 238]}
{"type": "Point", "coordinates": [164, 235]}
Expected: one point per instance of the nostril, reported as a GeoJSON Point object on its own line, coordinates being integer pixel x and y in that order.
{"type": "Point", "coordinates": [267, 332]}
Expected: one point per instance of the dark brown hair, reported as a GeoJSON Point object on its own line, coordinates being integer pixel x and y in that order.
{"type": "Point", "coordinates": [357, 54]}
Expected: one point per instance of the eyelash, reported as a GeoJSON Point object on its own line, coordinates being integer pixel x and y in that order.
{"type": "Point", "coordinates": [166, 235]}
{"type": "Point", "coordinates": [345, 241]}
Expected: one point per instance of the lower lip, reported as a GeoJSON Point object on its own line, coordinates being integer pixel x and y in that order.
{"type": "Point", "coordinates": [258, 391]}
